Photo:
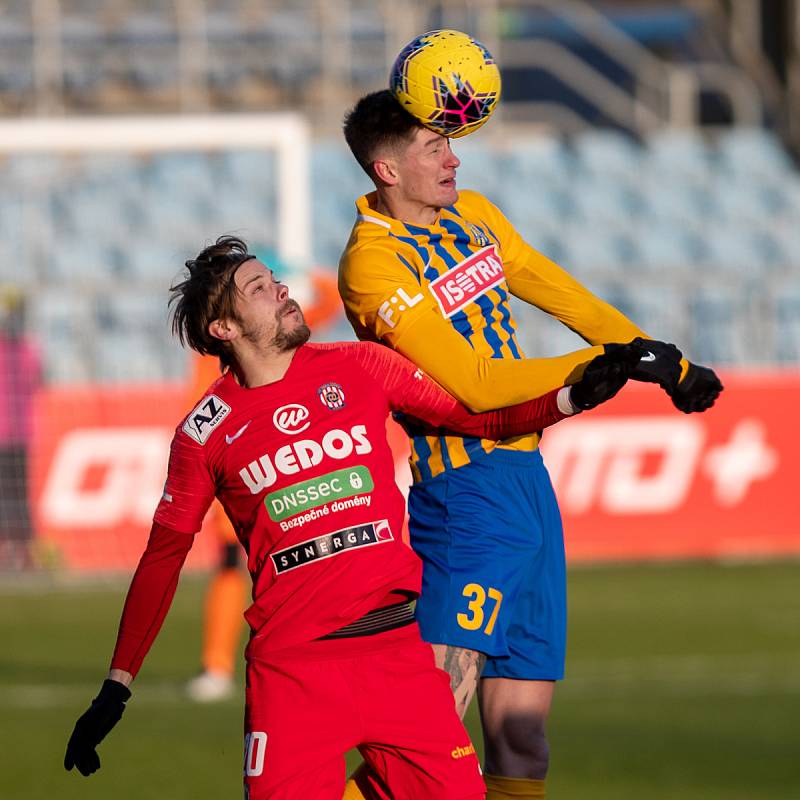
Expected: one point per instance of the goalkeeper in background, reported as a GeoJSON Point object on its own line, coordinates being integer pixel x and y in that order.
{"type": "Point", "coordinates": [428, 271]}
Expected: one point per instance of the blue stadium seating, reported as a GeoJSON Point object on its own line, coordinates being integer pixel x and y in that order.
{"type": "Point", "coordinates": [722, 319]}
{"type": "Point", "coordinates": [752, 152]}
{"type": "Point", "coordinates": [687, 235]}
{"type": "Point", "coordinates": [786, 336]}
{"type": "Point", "coordinates": [608, 156]}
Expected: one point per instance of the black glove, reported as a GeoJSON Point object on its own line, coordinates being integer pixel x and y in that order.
{"type": "Point", "coordinates": [659, 364]}
{"type": "Point", "coordinates": [697, 391]}
{"type": "Point", "coordinates": [605, 375]}
{"type": "Point", "coordinates": [102, 715]}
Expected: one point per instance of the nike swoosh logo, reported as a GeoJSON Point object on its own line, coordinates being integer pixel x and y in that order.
{"type": "Point", "coordinates": [648, 356]}
{"type": "Point", "coordinates": [232, 439]}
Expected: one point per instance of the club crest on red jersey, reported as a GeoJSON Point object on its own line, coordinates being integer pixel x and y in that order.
{"type": "Point", "coordinates": [331, 396]}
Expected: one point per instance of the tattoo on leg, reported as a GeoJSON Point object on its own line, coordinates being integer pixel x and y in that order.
{"type": "Point", "coordinates": [464, 668]}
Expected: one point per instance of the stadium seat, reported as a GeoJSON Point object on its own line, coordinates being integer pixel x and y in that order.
{"type": "Point", "coordinates": [12, 216]}
{"type": "Point", "coordinates": [673, 154]}
{"type": "Point", "coordinates": [62, 320]}
{"type": "Point", "coordinates": [143, 312]}
{"type": "Point", "coordinates": [32, 171]}
{"type": "Point", "coordinates": [658, 306]}
{"type": "Point", "coordinates": [83, 259]}
{"type": "Point", "coordinates": [597, 250]}
{"type": "Point", "coordinates": [673, 202]}
{"type": "Point", "coordinates": [543, 203]}
{"type": "Point", "coordinates": [607, 155]}
{"type": "Point", "coordinates": [742, 250]}
{"type": "Point", "coordinates": [479, 170]}
{"type": "Point", "coordinates": [156, 262]}
{"type": "Point", "coordinates": [547, 239]}
{"type": "Point", "coordinates": [128, 357]}
{"type": "Point", "coordinates": [663, 246]}
{"type": "Point", "coordinates": [786, 298]}
{"type": "Point", "coordinates": [747, 199]}
{"type": "Point", "coordinates": [245, 168]}
{"type": "Point", "coordinates": [182, 174]}
{"type": "Point", "coordinates": [786, 234]}
{"type": "Point", "coordinates": [723, 322]}
{"type": "Point", "coordinates": [752, 152]}
{"type": "Point", "coordinates": [599, 203]}
{"type": "Point", "coordinates": [537, 162]}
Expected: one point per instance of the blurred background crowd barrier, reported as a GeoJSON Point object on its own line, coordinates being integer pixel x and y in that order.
{"type": "Point", "coordinates": [648, 147]}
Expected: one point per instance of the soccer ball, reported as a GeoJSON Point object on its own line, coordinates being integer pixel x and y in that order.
{"type": "Point", "coordinates": [448, 81]}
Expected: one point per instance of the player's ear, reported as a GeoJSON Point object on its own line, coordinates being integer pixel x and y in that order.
{"type": "Point", "coordinates": [222, 329]}
{"type": "Point", "coordinates": [385, 170]}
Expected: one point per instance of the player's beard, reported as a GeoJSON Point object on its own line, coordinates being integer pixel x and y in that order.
{"type": "Point", "coordinates": [289, 340]}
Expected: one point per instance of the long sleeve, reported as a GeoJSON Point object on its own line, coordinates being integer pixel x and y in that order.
{"type": "Point", "coordinates": [150, 596]}
{"type": "Point", "coordinates": [537, 280]}
{"type": "Point", "coordinates": [482, 383]}
{"type": "Point", "coordinates": [386, 304]}
{"type": "Point", "coordinates": [412, 393]}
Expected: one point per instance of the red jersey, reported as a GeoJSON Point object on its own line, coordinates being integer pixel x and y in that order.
{"type": "Point", "coordinates": [304, 471]}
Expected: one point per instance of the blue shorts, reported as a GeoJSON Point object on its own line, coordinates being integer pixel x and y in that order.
{"type": "Point", "coordinates": [494, 577]}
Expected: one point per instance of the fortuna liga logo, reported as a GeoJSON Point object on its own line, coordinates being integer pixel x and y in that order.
{"type": "Point", "coordinates": [331, 395]}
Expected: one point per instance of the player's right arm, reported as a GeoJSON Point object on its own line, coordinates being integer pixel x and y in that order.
{"type": "Point", "coordinates": [385, 302]}
{"type": "Point", "coordinates": [188, 492]}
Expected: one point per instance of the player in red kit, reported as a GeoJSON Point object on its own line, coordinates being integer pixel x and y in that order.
{"type": "Point", "coordinates": [291, 440]}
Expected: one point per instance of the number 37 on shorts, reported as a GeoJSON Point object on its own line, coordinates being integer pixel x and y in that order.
{"type": "Point", "coordinates": [483, 605]}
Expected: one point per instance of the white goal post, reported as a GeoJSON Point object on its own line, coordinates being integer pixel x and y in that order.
{"type": "Point", "coordinates": [285, 133]}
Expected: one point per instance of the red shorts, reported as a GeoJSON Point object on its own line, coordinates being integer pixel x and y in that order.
{"type": "Point", "coordinates": [306, 707]}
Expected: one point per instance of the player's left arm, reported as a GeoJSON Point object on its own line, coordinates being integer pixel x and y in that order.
{"type": "Point", "coordinates": [541, 282]}
{"type": "Point", "coordinates": [411, 392]}
{"type": "Point", "coordinates": [187, 494]}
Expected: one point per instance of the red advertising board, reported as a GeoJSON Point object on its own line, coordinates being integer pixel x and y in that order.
{"type": "Point", "coordinates": [98, 465]}
{"type": "Point", "coordinates": [636, 479]}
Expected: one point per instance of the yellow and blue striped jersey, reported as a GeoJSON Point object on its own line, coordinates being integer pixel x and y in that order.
{"type": "Point", "coordinates": [439, 295]}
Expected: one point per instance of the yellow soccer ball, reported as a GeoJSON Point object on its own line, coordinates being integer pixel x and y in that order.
{"type": "Point", "coordinates": [448, 81]}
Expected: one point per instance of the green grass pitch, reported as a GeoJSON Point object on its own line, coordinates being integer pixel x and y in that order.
{"type": "Point", "coordinates": [683, 682]}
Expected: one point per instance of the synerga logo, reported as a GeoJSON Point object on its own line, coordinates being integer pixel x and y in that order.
{"type": "Point", "coordinates": [331, 544]}
{"type": "Point", "coordinates": [291, 419]}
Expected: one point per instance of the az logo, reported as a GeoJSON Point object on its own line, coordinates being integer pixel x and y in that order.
{"type": "Point", "coordinates": [205, 417]}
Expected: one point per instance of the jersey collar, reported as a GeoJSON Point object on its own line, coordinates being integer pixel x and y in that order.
{"type": "Point", "coordinates": [365, 205]}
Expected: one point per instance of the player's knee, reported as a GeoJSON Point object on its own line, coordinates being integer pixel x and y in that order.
{"type": "Point", "coordinates": [518, 749]}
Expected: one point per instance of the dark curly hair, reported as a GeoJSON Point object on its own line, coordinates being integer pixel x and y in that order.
{"type": "Point", "coordinates": [208, 293]}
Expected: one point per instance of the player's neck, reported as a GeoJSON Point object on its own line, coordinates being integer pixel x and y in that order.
{"type": "Point", "coordinates": [404, 210]}
{"type": "Point", "coordinates": [254, 368]}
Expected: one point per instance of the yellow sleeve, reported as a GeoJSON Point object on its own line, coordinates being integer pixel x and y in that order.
{"type": "Point", "coordinates": [385, 303]}
{"type": "Point", "coordinates": [539, 281]}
